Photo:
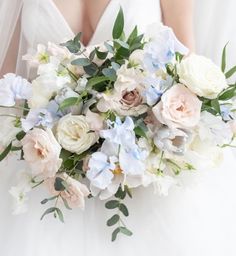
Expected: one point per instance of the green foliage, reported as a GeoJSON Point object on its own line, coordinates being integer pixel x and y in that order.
{"type": "Point", "coordinates": [228, 94]}
{"type": "Point", "coordinates": [56, 211]}
{"type": "Point", "coordinates": [223, 61]}
{"type": "Point", "coordinates": [74, 45]}
{"type": "Point", "coordinates": [69, 102]}
{"type": "Point", "coordinates": [82, 62]}
{"type": "Point", "coordinates": [119, 25]}
{"type": "Point", "coordinates": [60, 184]}
{"type": "Point", "coordinates": [5, 152]}
{"type": "Point", "coordinates": [231, 72]}
{"type": "Point", "coordinates": [121, 208]}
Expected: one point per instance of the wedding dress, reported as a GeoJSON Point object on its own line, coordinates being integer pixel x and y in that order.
{"type": "Point", "coordinates": [196, 219]}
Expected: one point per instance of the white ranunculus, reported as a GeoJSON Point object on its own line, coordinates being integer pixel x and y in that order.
{"type": "Point", "coordinates": [163, 184]}
{"type": "Point", "coordinates": [74, 135]}
{"type": "Point", "coordinates": [202, 76]}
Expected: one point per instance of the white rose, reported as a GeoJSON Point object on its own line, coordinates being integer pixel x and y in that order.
{"type": "Point", "coordinates": [202, 76]}
{"type": "Point", "coordinates": [136, 58]}
{"type": "Point", "coordinates": [74, 135]}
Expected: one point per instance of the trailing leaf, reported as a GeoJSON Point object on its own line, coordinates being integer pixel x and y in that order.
{"type": "Point", "coordinates": [113, 220]}
{"type": "Point", "coordinates": [231, 72]}
{"type": "Point", "coordinates": [223, 60]}
{"type": "Point", "coordinates": [124, 210]}
{"type": "Point", "coordinates": [112, 204]}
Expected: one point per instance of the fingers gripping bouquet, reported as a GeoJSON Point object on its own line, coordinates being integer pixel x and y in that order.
{"type": "Point", "coordinates": [103, 120]}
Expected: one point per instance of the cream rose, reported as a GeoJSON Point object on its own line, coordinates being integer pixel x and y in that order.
{"type": "Point", "coordinates": [42, 151]}
{"type": "Point", "coordinates": [74, 135]}
{"type": "Point", "coordinates": [179, 107]}
{"type": "Point", "coordinates": [74, 194]}
{"type": "Point", "coordinates": [202, 76]}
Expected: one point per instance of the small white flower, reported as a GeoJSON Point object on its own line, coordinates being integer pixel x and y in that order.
{"type": "Point", "coordinates": [20, 193]}
{"type": "Point", "coordinates": [13, 88]}
{"type": "Point", "coordinates": [163, 184]}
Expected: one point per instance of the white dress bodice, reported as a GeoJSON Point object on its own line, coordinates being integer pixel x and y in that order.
{"type": "Point", "coordinates": [50, 25]}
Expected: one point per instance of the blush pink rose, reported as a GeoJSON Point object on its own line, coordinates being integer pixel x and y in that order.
{"type": "Point", "coordinates": [75, 193]}
{"type": "Point", "coordinates": [42, 151]}
{"type": "Point", "coordinates": [178, 107]}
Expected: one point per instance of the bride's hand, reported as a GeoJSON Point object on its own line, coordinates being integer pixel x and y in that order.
{"type": "Point", "coordinates": [178, 14]}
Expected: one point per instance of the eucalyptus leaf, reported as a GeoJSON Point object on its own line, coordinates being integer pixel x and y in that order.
{"type": "Point", "coordinates": [124, 210]}
{"type": "Point", "coordinates": [112, 204]}
{"type": "Point", "coordinates": [113, 220]}
{"type": "Point", "coordinates": [58, 184]}
{"type": "Point", "coordinates": [109, 72]}
{"type": "Point", "coordinates": [114, 234]}
{"type": "Point", "coordinates": [101, 55]}
{"type": "Point", "coordinates": [48, 211]}
{"type": "Point", "coordinates": [59, 214]}
{"type": "Point", "coordinates": [91, 69]}
{"type": "Point", "coordinates": [66, 203]}
{"type": "Point", "coordinates": [81, 62]}
{"type": "Point", "coordinates": [20, 135]}
{"type": "Point", "coordinates": [125, 231]}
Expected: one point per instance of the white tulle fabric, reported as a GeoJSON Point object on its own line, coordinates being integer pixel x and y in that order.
{"type": "Point", "coordinates": [198, 217]}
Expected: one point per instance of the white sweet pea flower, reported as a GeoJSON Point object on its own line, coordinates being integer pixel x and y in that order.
{"type": "Point", "coordinates": [37, 117]}
{"type": "Point", "coordinates": [211, 128]}
{"type": "Point", "coordinates": [13, 88]}
{"type": "Point", "coordinates": [163, 183]}
{"type": "Point", "coordinates": [20, 193]}
{"type": "Point", "coordinates": [100, 170]}
{"type": "Point", "coordinates": [35, 58]}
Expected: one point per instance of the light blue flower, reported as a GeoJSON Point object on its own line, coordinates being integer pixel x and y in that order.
{"type": "Point", "coordinates": [37, 117]}
{"type": "Point", "coordinates": [14, 88]}
{"type": "Point", "coordinates": [162, 48]}
{"type": "Point", "coordinates": [121, 133]}
{"type": "Point", "coordinates": [100, 170]}
{"type": "Point", "coordinates": [226, 113]}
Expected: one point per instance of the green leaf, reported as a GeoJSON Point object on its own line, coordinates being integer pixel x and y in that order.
{"type": "Point", "coordinates": [92, 55]}
{"type": "Point", "coordinates": [124, 210]}
{"type": "Point", "coordinates": [48, 211]}
{"type": "Point", "coordinates": [66, 203]}
{"type": "Point", "coordinates": [114, 234]}
{"type": "Point", "coordinates": [115, 66]}
{"type": "Point", "coordinates": [122, 43]}
{"type": "Point", "coordinates": [223, 61]}
{"type": "Point", "coordinates": [113, 220]}
{"type": "Point", "coordinates": [91, 69]}
{"type": "Point", "coordinates": [97, 80]}
{"type": "Point", "coordinates": [140, 132]}
{"type": "Point", "coordinates": [230, 72]}
{"type": "Point", "coordinates": [119, 25]}
{"type": "Point", "coordinates": [125, 231]}
{"type": "Point", "coordinates": [69, 102]}
{"type": "Point", "coordinates": [82, 62]}
{"type": "Point", "coordinates": [48, 199]}
{"type": "Point", "coordinates": [109, 47]}
{"type": "Point", "coordinates": [228, 94]}
{"type": "Point", "coordinates": [133, 35]}
{"type": "Point", "coordinates": [16, 148]}
{"type": "Point", "coordinates": [5, 153]}
{"type": "Point", "coordinates": [58, 184]}
{"type": "Point", "coordinates": [215, 105]}
{"type": "Point", "coordinates": [109, 72]}
{"type": "Point", "coordinates": [20, 135]}
{"type": "Point", "coordinates": [112, 204]}
{"type": "Point", "coordinates": [121, 194]}
{"type": "Point", "coordinates": [59, 214]}
{"type": "Point", "coordinates": [128, 191]}
{"type": "Point", "coordinates": [101, 55]}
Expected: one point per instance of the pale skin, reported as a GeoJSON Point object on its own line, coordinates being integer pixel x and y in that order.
{"type": "Point", "coordinates": [84, 16]}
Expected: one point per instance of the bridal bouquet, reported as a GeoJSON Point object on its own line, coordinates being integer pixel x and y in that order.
{"type": "Point", "coordinates": [100, 121]}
